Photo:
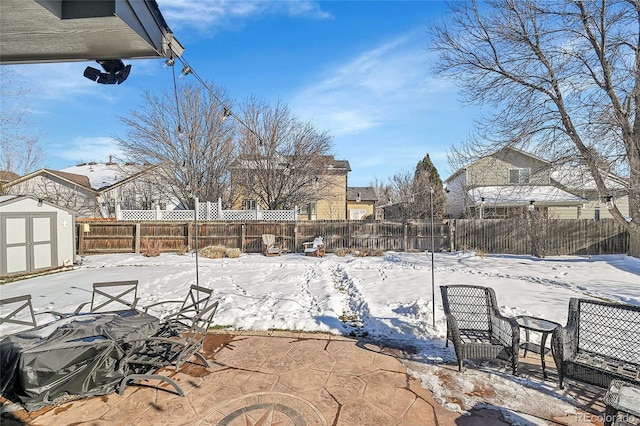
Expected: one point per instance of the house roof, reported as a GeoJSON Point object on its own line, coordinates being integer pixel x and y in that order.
{"type": "Point", "coordinates": [246, 161]}
{"type": "Point", "coordinates": [101, 176]}
{"type": "Point", "coordinates": [579, 177]}
{"type": "Point", "coordinates": [69, 177]}
{"type": "Point", "coordinates": [96, 177]}
{"type": "Point", "coordinates": [495, 154]}
{"type": "Point", "coordinates": [33, 31]}
{"type": "Point", "coordinates": [366, 193]}
{"type": "Point", "coordinates": [6, 176]}
{"type": "Point", "coordinates": [545, 195]}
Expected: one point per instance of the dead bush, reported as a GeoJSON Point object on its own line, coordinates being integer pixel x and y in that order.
{"type": "Point", "coordinates": [181, 251]}
{"type": "Point", "coordinates": [377, 252]}
{"type": "Point", "coordinates": [364, 252]}
{"type": "Point", "coordinates": [233, 252]}
{"type": "Point", "coordinates": [150, 248]}
{"type": "Point", "coordinates": [213, 252]}
{"type": "Point", "coordinates": [341, 251]}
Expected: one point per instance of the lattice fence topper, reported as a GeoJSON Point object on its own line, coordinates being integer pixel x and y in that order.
{"type": "Point", "coordinates": [206, 212]}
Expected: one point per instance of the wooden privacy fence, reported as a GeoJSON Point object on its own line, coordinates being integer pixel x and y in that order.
{"type": "Point", "coordinates": [509, 236]}
{"type": "Point", "coordinates": [97, 237]}
{"type": "Point", "coordinates": [542, 237]}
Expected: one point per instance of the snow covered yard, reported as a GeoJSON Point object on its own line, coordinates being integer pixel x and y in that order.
{"type": "Point", "coordinates": [387, 299]}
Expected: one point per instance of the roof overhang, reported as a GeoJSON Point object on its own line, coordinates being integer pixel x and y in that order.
{"type": "Point", "coordinates": [36, 31]}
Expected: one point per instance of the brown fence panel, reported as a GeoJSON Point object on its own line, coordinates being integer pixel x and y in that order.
{"type": "Point", "coordinates": [543, 237]}
{"type": "Point", "coordinates": [106, 237]}
{"type": "Point", "coordinates": [171, 236]}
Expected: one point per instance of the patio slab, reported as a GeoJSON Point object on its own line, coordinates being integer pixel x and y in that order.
{"type": "Point", "coordinates": [278, 378]}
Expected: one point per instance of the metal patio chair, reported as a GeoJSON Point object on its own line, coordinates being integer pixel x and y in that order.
{"type": "Point", "coordinates": [17, 310]}
{"type": "Point", "coordinates": [146, 356]}
{"type": "Point", "coordinates": [112, 296]}
{"type": "Point", "coordinates": [476, 327]}
{"type": "Point", "coordinates": [196, 300]}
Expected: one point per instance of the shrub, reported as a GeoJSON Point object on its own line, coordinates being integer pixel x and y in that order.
{"type": "Point", "coordinates": [213, 252]}
{"type": "Point", "coordinates": [150, 248]}
{"type": "Point", "coordinates": [181, 251]}
{"type": "Point", "coordinates": [233, 252]}
{"type": "Point", "coordinates": [377, 252]}
{"type": "Point", "coordinates": [341, 251]}
{"type": "Point", "coordinates": [363, 252]}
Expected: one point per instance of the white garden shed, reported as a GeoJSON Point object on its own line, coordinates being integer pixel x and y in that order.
{"type": "Point", "coordinates": [35, 235]}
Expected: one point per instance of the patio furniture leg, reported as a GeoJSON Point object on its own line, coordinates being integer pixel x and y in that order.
{"type": "Point", "coordinates": [123, 383]}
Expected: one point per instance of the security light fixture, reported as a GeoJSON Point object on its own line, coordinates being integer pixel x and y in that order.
{"type": "Point", "coordinates": [358, 198]}
{"type": "Point", "coordinates": [609, 202]}
{"type": "Point", "coordinates": [186, 70]}
{"type": "Point", "coordinates": [531, 207]}
{"type": "Point", "coordinates": [115, 72]}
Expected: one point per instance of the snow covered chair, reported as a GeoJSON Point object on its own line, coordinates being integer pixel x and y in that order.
{"type": "Point", "coordinates": [269, 247]}
{"type": "Point", "coordinates": [476, 327]}
{"type": "Point", "coordinates": [314, 248]}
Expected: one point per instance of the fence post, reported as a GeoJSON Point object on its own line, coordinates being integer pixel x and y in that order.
{"type": "Point", "coordinates": [189, 236]}
{"type": "Point", "coordinates": [404, 237]}
{"type": "Point", "coordinates": [220, 215]}
{"type": "Point", "coordinates": [243, 242]}
{"type": "Point", "coordinates": [452, 236]}
{"type": "Point", "coordinates": [157, 213]}
{"type": "Point", "coordinates": [118, 212]}
{"type": "Point", "coordinates": [80, 231]}
{"type": "Point", "coordinates": [136, 237]}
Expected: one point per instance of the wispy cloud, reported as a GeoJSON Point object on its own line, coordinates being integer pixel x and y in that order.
{"type": "Point", "coordinates": [83, 149]}
{"type": "Point", "coordinates": [384, 85]}
{"type": "Point", "coordinates": [211, 16]}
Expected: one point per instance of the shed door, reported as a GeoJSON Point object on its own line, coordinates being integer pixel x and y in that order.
{"type": "Point", "coordinates": [28, 242]}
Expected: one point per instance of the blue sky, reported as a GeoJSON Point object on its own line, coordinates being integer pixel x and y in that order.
{"type": "Point", "coordinates": [359, 70]}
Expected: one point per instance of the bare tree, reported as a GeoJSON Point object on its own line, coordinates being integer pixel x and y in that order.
{"type": "Point", "coordinates": [563, 80]}
{"type": "Point", "coordinates": [283, 162]}
{"type": "Point", "coordinates": [20, 150]}
{"type": "Point", "coordinates": [189, 135]}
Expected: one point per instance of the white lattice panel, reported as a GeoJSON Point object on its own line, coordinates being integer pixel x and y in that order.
{"type": "Point", "coordinates": [179, 215]}
{"type": "Point", "coordinates": [239, 215]}
{"type": "Point", "coordinates": [277, 215]}
{"type": "Point", "coordinates": [137, 215]}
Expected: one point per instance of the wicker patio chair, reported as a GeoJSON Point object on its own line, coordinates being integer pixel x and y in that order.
{"type": "Point", "coordinates": [146, 356]}
{"type": "Point", "coordinates": [476, 327]}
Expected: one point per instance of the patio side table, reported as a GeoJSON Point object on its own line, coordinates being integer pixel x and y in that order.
{"type": "Point", "coordinates": [622, 404]}
{"type": "Point", "coordinates": [539, 325]}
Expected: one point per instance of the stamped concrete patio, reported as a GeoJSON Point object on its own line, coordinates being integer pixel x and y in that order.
{"type": "Point", "coordinates": [275, 378]}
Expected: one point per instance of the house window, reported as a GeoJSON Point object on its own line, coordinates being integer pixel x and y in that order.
{"type": "Point", "coordinates": [250, 204]}
{"type": "Point", "coordinates": [596, 213]}
{"type": "Point", "coordinates": [357, 214]}
{"type": "Point", "coordinates": [310, 211]}
{"type": "Point", "coordinates": [519, 176]}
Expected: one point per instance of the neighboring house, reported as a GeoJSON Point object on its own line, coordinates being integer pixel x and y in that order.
{"type": "Point", "coordinates": [7, 177]}
{"type": "Point", "coordinates": [502, 184]}
{"type": "Point", "coordinates": [329, 193]}
{"type": "Point", "coordinates": [94, 189]}
{"type": "Point", "coordinates": [361, 202]}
